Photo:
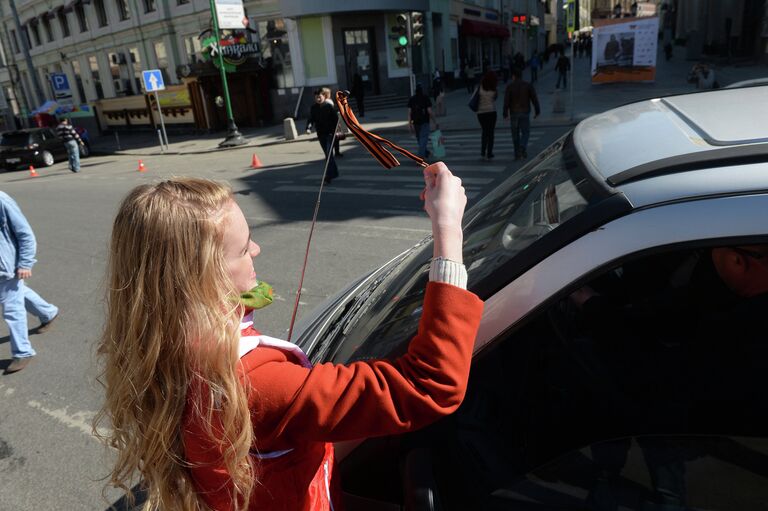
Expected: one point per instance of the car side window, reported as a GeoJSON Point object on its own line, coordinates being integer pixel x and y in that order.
{"type": "Point", "coordinates": [638, 389]}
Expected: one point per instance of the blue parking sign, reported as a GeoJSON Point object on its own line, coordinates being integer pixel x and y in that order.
{"type": "Point", "coordinates": [60, 82]}
{"type": "Point", "coordinates": [153, 80]}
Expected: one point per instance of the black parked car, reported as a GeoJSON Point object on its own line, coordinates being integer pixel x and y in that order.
{"type": "Point", "coordinates": [35, 146]}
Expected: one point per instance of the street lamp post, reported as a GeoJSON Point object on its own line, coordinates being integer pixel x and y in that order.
{"type": "Point", "coordinates": [234, 137]}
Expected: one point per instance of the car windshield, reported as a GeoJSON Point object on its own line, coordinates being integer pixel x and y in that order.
{"type": "Point", "coordinates": [14, 139]}
{"type": "Point", "coordinates": [534, 201]}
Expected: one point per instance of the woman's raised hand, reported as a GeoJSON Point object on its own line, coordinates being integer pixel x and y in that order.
{"type": "Point", "coordinates": [444, 201]}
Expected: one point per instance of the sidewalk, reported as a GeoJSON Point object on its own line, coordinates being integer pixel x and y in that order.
{"type": "Point", "coordinates": [671, 78]}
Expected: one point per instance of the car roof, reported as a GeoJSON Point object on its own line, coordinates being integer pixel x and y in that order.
{"type": "Point", "coordinates": [638, 147]}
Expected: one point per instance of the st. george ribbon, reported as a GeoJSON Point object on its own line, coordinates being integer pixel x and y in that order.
{"type": "Point", "coordinates": [375, 145]}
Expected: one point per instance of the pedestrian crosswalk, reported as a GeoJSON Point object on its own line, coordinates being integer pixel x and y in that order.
{"type": "Point", "coordinates": [361, 176]}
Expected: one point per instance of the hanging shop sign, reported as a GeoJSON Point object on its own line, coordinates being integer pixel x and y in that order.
{"type": "Point", "coordinates": [235, 48]}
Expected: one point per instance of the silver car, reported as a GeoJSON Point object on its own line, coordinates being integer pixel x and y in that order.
{"type": "Point", "coordinates": [615, 368]}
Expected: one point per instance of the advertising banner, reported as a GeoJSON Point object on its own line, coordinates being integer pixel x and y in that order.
{"type": "Point", "coordinates": [624, 50]}
{"type": "Point", "coordinates": [230, 14]}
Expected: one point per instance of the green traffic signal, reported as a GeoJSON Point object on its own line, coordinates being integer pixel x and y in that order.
{"type": "Point", "coordinates": [402, 40]}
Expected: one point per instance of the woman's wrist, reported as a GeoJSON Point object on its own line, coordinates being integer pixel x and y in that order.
{"type": "Point", "coordinates": [448, 242]}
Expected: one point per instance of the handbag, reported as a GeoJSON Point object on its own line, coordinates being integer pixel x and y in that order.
{"type": "Point", "coordinates": [438, 144]}
{"type": "Point", "coordinates": [474, 101]}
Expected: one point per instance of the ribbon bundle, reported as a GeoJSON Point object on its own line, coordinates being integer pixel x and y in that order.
{"type": "Point", "coordinates": [372, 142]}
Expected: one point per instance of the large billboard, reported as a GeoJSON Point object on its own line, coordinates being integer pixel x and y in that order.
{"type": "Point", "coordinates": [624, 50]}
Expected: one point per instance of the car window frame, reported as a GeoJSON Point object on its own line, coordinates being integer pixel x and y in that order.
{"type": "Point", "coordinates": [663, 227]}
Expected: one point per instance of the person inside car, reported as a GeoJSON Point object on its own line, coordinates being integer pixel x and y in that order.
{"type": "Point", "coordinates": [214, 415]}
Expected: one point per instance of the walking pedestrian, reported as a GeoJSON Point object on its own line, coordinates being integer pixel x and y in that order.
{"type": "Point", "coordinates": [486, 113]}
{"type": "Point", "coordinates": [562, 66]}
{"type": "Point", "coordinates": [72, 141]}
{"type": "Point", "coordinates": [339, 132]}
{"type": "Point", "coordinates": [17, 256]}
{"type": "Point", "coordinates": [358, 92]}
{"type": "Point", "coordinates": [518, 98]}
{"type": "Point", "coordinates": [209, 413]}
{"type": "Point", "coordinates": [535, 64]}
{"type": "Point", "coordinates": [323, 117]}
{"type": "Point", "coordinates": [419, 117]}
{"type": "Point", "coordinates": [466, 72]}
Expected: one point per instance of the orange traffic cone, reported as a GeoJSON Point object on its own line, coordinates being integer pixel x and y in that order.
{"type": "Point", "coordinates": [142, 168]}
{"type": "Point", "coordinates": [256, 162]}
{"type": "Point", "coordinates": [32, 171]}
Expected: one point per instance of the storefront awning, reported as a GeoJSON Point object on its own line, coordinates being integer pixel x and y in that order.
{"type": "Point", "coordinates": [477, 28]}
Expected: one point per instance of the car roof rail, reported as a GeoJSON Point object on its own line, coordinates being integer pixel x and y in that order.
{"type": "Point", "coordinates": [721, 157]}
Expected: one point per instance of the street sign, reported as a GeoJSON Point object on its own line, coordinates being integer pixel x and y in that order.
{"type": "Point", "coordinates": [570, 8]}
{"type": "Point", "coordinates": [231, 14]}
{"type": "Point", "coordinates": [61, 91]}
{"type": "Point", "coordinates": [153, 80]}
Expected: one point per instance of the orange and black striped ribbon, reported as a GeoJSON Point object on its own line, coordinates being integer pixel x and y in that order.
{"type": "Point", "coordinates": [372, 142]}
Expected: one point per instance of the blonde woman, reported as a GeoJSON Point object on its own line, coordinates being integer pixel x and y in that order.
{"type": "Point", "coordinates": [211, 414]}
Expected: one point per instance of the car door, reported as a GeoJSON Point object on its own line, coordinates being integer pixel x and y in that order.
{"type": "Point", "coordinates": [554, 419]}
{"type": "Point", "coordinates": [54, 144]}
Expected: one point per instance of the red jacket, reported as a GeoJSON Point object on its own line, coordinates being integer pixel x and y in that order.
{"type": "Point", "coordinates": [296, 411]}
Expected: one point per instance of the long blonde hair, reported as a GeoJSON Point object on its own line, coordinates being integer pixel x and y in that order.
{"type": "Point", "coordinates": [171, 323]}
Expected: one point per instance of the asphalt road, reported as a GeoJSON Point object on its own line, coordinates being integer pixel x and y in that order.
{"type": "Point", "coordinates": [48, 456]}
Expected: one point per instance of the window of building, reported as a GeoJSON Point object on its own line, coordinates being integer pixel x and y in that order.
{"type": "Point", "coordinates": [78, 80]}
{"type": "Point", "coordinates": [123, 10]}
{"type": "Point", "coordinates": [182, 2]}
{"type": "Point", "coordinates": [63, 22]}
{"type": "Point", "coordinates": [14, 42]}
{"type": "Point", "coordinates": [115, 61]}
{"type": "Point", "coordinates": [136, 61]}
{"type": "Point", "coordinates": [82, 20]}
{"type": "Point", "coordinates": [35, 31]}
{"type": "Point", "coordinates": [101, 13]}
{"type": "Point", "coordinates": [93, 63]}
{"type": "Point", "coordinates": [47, 28]}
{"type": "Point", "coordinates": [276, 51]}
{"type": "Point", "coordinates": [149, 6]}
{"type": "Point", "coordinates": [162, 59]}
{"type": "Point", "coordinates": [193, 48]}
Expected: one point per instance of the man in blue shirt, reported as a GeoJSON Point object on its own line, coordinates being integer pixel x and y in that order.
{"type": "Point", "coordinates": [17, 256]}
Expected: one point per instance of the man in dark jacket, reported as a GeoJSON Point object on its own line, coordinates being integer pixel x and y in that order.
{"type": "Point", "coordinates": [517, 106]}
{"type": "Point", "coordinates": [562, 66]}
{"type": "Point", "coordinates": [322, 115]}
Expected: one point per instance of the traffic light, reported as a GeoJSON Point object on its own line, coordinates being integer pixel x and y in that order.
{"type": "Point", "coordinates": [417, 27]}
{"type": "Point", "coordinates": [520, 19]}
{"type": "Point", "coordinates": [400, 29]}
{"type": "Point", "coordinates": [400, 37]}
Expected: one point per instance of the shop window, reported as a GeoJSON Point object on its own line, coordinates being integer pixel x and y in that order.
{"type": "Point", "coordinates": [193, 48]}
{"type": "Point", "coordinates": [93, 63]}
{"type": "Point", "coordinates": [63, 23]}
{"type": "Point", "coordinates": [14, 42]}
{"type": "Point", "coordinates": [135, 57]}
{"type": "Point", "coordinates": [47, 28]}
{"type": "Point", "coordinates": [35, 31]}
{"type": "Point", "coordinates": [276, 51]}
{"type": "Point", "coordinates": [82, 20]}
{"type": "Point", "coordinates": [78, 79]}
{"type": "Point", "coordinates": [123, 10]}
{"type": "Point", "coordinates": [101, 13]}
{"type": "Point", "coordinates": [162, 60]}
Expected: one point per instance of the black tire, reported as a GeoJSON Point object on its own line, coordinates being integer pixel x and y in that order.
{"type": "Point", "coordinates": [46, 158]}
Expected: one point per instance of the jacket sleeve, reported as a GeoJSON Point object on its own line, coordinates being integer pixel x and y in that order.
{"type": "Point", "coordinates": [342, 402]}
{"type": "Point", "coordinates": [25, 238]}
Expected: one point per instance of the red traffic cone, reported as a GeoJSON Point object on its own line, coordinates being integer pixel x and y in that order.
{"type": "Point", "coordinates": [256, 162]}
{"type": "Point", "coordinates": [142, 168]}
{"type": "Point", "coordinates": [32, 171]}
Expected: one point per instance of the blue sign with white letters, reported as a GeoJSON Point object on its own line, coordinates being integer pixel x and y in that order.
{"type": "Point", "coordinates": [153, 80]}
{"type": "Point", "coordinates": [60, 82]}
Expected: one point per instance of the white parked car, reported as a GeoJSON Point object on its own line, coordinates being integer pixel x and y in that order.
{"type": "Point", "coordinates": [614, 368]}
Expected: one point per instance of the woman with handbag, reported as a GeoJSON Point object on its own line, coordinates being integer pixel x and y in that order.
{"type": "Point", "coordinates": [486, 113]}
